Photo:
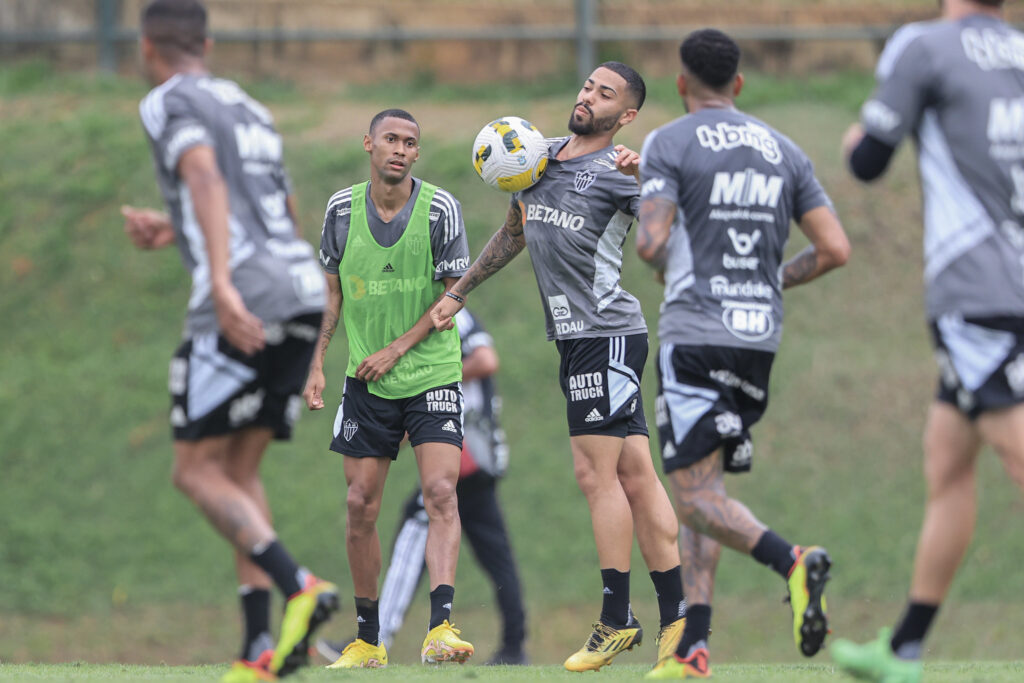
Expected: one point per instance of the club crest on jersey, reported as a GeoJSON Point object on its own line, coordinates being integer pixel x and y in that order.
{"type": "Point", "coordinates": [417, 244]}
{"type": "Point", "coordinates": [349, 428]}
{"type": "Point", "coordinates": [584, 179]}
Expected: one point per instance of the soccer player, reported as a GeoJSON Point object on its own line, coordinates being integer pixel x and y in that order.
{"type": "Point", "coordinates": [720, 189]}
{"type": "Point", "coordinates": [484, 460]}
{"type": "Point", "coordinates": [251, 326]}
{"type": "Point", "coordinates": [390, 248]}
{"type": "Point", "coordinates": [957, 86]}
{"type": "Point", "coordinates": [574, 221]}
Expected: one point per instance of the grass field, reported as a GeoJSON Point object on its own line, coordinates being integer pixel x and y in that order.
{"type": "Point", "coordinates": [101, 560]}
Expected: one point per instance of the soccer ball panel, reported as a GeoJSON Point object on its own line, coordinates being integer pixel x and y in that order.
{"type": "Point", "coordinates": [510, 154]}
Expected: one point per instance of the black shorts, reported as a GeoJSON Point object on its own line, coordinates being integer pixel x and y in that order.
{"type": "Point", "coordinates": [708, 398]}
{"type": "Point", "coordinates": [368, 426]}
{"type": "Point", "coordinates": [981, 362]}
{"type": "Point", "coordinates": [600, 377]}
{"type": "Point", "coordinates": [216, 389]}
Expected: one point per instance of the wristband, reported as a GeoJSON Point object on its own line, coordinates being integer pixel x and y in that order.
{"type": "Point", "coordinates": [455, 296]}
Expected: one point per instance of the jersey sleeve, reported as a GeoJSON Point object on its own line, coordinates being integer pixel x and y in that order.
{"type": "Point", "coordinates": [658, 175]}
{"type": "Point", "coordinates": [448, 236]}
{"type": "Point", "coordinates": [905, 77]}
{"type": "Point", "coordinates": [808, 194]}
{"type": "Point", "coordinates": [174, 126]}
{"type": "Point", "coordinates": [335, 232]}
{"type": "Point", "coordinates": [471, 332]}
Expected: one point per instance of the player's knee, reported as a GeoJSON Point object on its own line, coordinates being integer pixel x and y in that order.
{"type": "Point", "coordinates": [361, 505]}
{"type": "Point", "coordinates": [439, 497]}
{"type": "Point", "coordinates": [186, 477]}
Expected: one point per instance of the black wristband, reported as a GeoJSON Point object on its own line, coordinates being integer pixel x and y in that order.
{"type": "Point", "coordinates": [455, 296]}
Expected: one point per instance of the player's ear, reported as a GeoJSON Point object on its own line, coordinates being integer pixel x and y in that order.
{"type": "Point", "coordinates": [737, 85]}
{"type": "Point", "coordinates": [207, 46]}
{"type": "Point", "coordinates": [681, 84]}
{"type": "Point", "coordinates": [628, 117]}
{"type": "Point", "coordinates": [367, 142]}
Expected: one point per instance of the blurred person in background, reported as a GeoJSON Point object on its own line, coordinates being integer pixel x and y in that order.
{"type": "Point", "coordinates": [484, 461]}
{"type": "Point", "coordinates": [251, 326]}
{"type": "Point", "coordinates": [956, 86]}
{"type": "Point", "coordinates": [390, 248]}
{"type": "Point", "coordinates": [575, 220]}
{"type": "Point", "coordinates": [720, 190]}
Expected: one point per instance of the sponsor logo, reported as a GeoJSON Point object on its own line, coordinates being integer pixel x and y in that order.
{"type": "Point", "coordinates": [245, 407]}
{"type": "Point", "coordinates": [1015, 375]}
{"type": "Point", "coordinates": [559, 307]}
{"type": "Point", "coordinates": [324, 258]}
{"type": "Point", "coordinates": [303, 332]}
{"type": "Point", "coordinates": [349, 429]}
{"type": "Point", "coordinates": [743, 454]}
{"type": "Point", "coordinates": [584, 179]}
{"type": "Point", "coordinates": [449, 426]}
{"type": "Point", "coordinates": [593, 416]}
{"type": "Point", "coordinates": [728, 424]}
{"type": "Point", "coordinates": [572, 327]}
{"type": "Point", "coordinates": [742, 242]}
{"type": "Point", "coordinates": [434, 215]}
{"type": "Point", "coordinates": [740, 262]}
{"type": "Point", "coordinates": [177, 376]}
{"type": "Point", "coordinates": [1006, 128]}
{"type": "Point", "coordinates": [730, 379]}
{"type": "Point", "coordinates": [442, 401]}
{"type": "Point", "coordinates": [388, 268]}
{"type": "Point", "coordinates": [308, 282]}
{"type": "Point", "coordinates": [878, 115]}
{"type": "Point", "coordinates": [455, 264]}
{"type": "Point", "coordinates": [556, 217]}
{"type": "Point", "coordinates": [741, 215]}
{"type": "Point", "coordinates": [725, 136]}
{"type": "Point", "coordinates": [721, 287]}
{"type": "Point", "coordinates": [292, 249]}
{"type": "Point", "coordinates": [257, 142]}
{"type": "Point", "coordinates": [746, 188]}
{"type": "Point", "coordinates": [747, 321]}
{"type": "Point", "coordinates": [275, 205]}
{"type": "Point", "coordinates": [360, 288]}
{"type": "Point", "coordinates": [178, 418]}
{"type": "Point", "coordinates": [345, 211]}
{"type": "Point", "coordinates": [991, 49]}
{"type": "Point", "coordinates": [652, 186]}
{"type": "Point", "coordinates": [632, 406]}
{"type": "Point", "coordinates": [586, 386]}
{"type": "Point", "coordinates": [273, 333]}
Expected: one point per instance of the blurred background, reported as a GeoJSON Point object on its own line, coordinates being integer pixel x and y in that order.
{"type": "Point", "coordinates": [102, 560]}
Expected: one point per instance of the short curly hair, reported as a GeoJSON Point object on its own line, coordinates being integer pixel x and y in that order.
{"type": "Point", "coordinates": [711, 56]}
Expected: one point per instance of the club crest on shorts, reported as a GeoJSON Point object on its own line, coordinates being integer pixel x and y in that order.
{"type": "Point", "coordinates": [349, 428]}
{"type": "Point", "coordinates": [584, 179]}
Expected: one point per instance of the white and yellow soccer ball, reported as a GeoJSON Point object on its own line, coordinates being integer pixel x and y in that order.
{"type": "Point", "coordinates": [510, 154]}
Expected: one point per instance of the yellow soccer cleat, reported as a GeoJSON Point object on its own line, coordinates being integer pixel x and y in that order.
{"type": "Point", "coordinates": [603, 645]}
{"type": "Point", "coordinates": [694, 666]}
{"type": "Point", "coordinates": [443, 644]}
{"type": "Point", "coordinates": [303, 614]}
{"type": "Point", "coordinates": [806, 584]}
{"type": "Point", "coordinates": [244, 671]}
{"type": "Point", "coordinates": [360, 654]}
{"type": "Point", "coordinates": [668, 638]}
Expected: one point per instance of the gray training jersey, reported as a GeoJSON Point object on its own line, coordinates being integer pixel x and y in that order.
{"type": "Point", "coordinates": [447, 231]}
{"type": "Point", "coordinates": [575, 220]}
{"type": "Point", "coordinates": [738, 184]}
{"type": "Point", "coordinates": [274, 270]}
{"type": "Point", "coordinates": [958, 89]}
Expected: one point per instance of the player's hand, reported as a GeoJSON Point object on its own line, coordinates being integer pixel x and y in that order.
{"type": "Point", "coordinates": [851, 138]}
{"type": "Point", "coordinates": [147, 228]}
{"type": "Point", "coordinates": [240, 327]}
{"type": "Point", "coordinates": [376, 365]}
{"type": "Point", "coordinates": [443, 313]}
{"type": "Point", "coordinates": [628, 161]}
{"type": "Point", "coordinates": [314, 391]}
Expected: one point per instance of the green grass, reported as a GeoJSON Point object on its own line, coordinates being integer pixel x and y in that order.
{"type": "Point", "coordinates": [94, 540]}
{"type": "Point", "coordinates": [937, 672]}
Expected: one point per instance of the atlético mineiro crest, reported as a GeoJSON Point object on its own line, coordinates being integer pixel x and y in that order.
{"type": "Point", "coordinates": [584, 179]}
{"type": "Point", "coordinates": [349, 428]}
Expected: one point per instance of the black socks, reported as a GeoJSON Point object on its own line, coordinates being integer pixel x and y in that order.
{"type": "Point", "coordinates": [913, 627]}
{"type": "Point", "coordinates": [668, 586]}
{"type": "Point", "coordinates": [368, 620]}
{"type": "Point", "coordinates": [776, 552]}
{"type": "Point", "coordinates": [441, 604]}
{"type": "Point", "coordinates": [615, 607]}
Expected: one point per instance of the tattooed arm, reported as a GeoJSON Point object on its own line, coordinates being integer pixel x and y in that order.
{"type": "Point", "coordinates": [504, 246]}
{"type": "Point", "coordinates": [656, 217]}
{"type": "Point", "coordinates": [313, 392]}
{"type": "Point", "coordinates": [829, 248]}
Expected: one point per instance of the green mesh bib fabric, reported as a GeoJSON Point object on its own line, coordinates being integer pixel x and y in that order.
{"type": "Point", "coordinates": [386, 290]}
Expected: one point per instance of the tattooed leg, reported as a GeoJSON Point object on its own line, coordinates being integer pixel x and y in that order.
{"type": "Point", "coordinates": [706, 508]}
{"type": "Point", "coordinates": [699, 554]}
{"type": "Point", "coordinates": [201, 473]}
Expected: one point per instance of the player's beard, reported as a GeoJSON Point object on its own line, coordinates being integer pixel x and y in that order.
{"type": "Point", "coordinates": [591, 125]}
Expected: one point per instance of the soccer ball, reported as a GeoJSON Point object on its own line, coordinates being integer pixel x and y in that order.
{"type": "Point", "coordinates": [510, 154]}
